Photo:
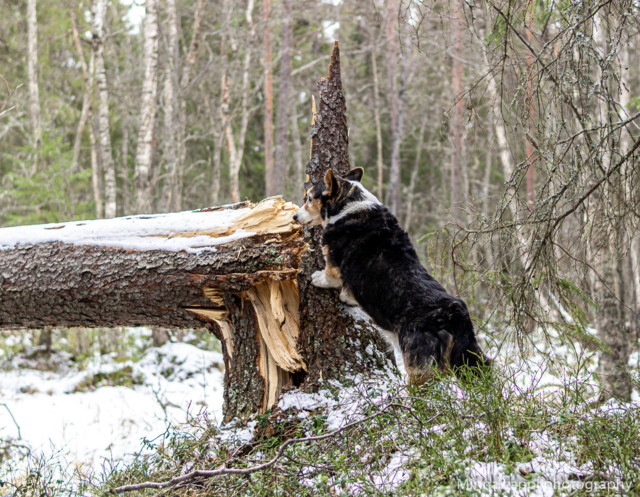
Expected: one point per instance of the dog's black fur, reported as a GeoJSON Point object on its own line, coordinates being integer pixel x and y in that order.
{"type": "Point", "coordinates": [379, 267]}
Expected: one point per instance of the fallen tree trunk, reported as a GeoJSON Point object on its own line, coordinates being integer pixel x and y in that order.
{"type": "Point", "coordinates": [139, 270]}
{"type": "Point", "coordinates": [230, 269]}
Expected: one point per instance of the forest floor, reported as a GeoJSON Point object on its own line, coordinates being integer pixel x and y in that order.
{"type": "Point", "coordinates": [83, 414]}
{"type": "Point", "coordinates": [534, 428]}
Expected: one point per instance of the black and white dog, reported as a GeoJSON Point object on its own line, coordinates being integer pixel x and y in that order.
{"type": "Point", "coordinates": [371, 258]}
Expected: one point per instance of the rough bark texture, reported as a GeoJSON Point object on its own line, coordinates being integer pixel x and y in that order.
{"type": "Point", "coordinates": [244, 387]}
{"type": "Point", "coordinates": [330, 340]}
{"type": "Point", "coordinates": [56, 284]}
{"type": "Point", "coordinates": [243, 290]}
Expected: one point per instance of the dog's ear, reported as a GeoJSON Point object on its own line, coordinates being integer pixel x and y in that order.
{"type": "Point", "coordinates": [330, 184]}
{"type": "Point", "coordinates": [355, 174]}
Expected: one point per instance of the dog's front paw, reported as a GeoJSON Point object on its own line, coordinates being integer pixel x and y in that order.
{"type": "Point", "coordinates": [347, 298]}
{"type": "Point", "coordinates": [319, 279]}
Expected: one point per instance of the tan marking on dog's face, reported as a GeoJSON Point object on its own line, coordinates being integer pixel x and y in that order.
{"type": "Point", "coordinates": [309, 213]}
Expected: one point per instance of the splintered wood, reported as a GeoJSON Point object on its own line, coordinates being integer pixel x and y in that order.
{"type": "Point", "coordinates": [271, 216]}
{"type": "Point", "coordinates": [273, 296]}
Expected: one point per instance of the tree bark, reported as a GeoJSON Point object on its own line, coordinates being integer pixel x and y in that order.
{"type": "Point", "coordinates": [394, 187]}
{"type": "Point", "coordinates": [236, 149]}
{"type": "Point", "coordinates": [298, 169]}
{"type": "Point", "coordinates": [610, 287]}
{"type": "Point", "coordinates": [177, 183]}
{"type": "Point", "coordinates": [414, 175]}
{"type": "Point", "coordinates": [529, 149]}
{"type": "Point", "coordinates": [284, 100]}
{"type": "Point", "coordinates": [104, 134]}
{"type": "Point", "coordinates": [148, 107]}
{"type": "Point", "coordinates": [376, 114]}
{"type": "Point", "coordinates": [457, 118]}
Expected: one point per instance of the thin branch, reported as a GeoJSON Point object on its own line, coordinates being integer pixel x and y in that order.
{"type": "Point", "coordinates": [242, 471]}
{"type": "Point", "coordinates": [10, 92]}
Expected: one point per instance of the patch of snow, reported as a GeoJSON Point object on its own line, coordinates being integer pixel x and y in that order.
{"type": "Point", "coordinates": [133, 232]}
{"type": "Point", "coordinates": [87, 428]}
{"type": "Point", "coordinates": [238, 435]}
{"type": "Point", "coordinates": [394, 473]}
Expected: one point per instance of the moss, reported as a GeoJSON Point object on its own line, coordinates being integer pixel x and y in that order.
{"type": "Point", "coordinates": [123, 377]}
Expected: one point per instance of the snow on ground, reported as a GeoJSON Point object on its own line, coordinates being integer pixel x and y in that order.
{"type": "Point", "coordinates": [132, 232]}
{"type": "Point", "coordinates": [42, 411]}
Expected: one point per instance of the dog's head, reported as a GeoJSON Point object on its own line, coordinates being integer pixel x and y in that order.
{"type": "Point", "coordinates": [331, 196]}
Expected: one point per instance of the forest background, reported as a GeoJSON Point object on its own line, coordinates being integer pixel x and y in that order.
{"type": "Point", "coordinates": [502, 134]}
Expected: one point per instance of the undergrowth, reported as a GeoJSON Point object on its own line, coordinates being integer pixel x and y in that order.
{"type": "Point", "coordinates": [486, 439]}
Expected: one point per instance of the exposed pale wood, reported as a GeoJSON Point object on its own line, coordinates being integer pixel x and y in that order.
{"type": "Point", "coordinates": [273, 215]}
{"type": "Point", "coordinates": [212, 314]}
{"type": "Point", "coordinates": [276, 306]}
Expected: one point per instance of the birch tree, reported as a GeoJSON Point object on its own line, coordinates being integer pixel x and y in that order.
{"type": "Point", "coordinates": [104, 133]}
{"type": "Point", "coordinates": [32, 75]}
{"type": "Point", "coordinates": [148, 107]}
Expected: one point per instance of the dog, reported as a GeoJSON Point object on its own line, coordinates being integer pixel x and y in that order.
{"type": "Point", "coordinates": [372, 260]}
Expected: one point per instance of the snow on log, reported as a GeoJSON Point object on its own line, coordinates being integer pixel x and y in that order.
{"type": "Point", "coordinates": [232, 269]}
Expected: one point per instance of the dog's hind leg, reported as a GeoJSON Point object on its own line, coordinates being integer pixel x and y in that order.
{"type": "Point", "coordinates": [347, 297]}
{"type": "Point", "coordinates": [422, 353]}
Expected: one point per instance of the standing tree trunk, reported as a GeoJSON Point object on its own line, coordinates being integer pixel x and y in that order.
{"type": "Point", "coordinates": [170, 107]}
{"type": "Point", "coordinates": [414, 175]}
{"type": "Point", "coordinates": [32, 75]}
{"type": "Point", "coordinates": [104, 134]}
{"type": "Point", "coordinates": [148, 106]}
{"type": "Point", "coordinates": [270, 181]}
{"type": "Point", "coordinates": [376, 112]}
{"type": "Point", "coordinates": [531, 174]}
{"type": "Point", "coordinates": [457, 117]}
{"type": "Point", "coordinates": [236, 149]}
{"type": "Point", "coordinates": [284, 100]}
{"type": "Point", "coordinates": [181, 138]}
{"type": "Point", "coordinates": [610, 294]}
{"type": "Point", "coordinates": [394, 188]}
{"type": "Point", "coordinates": [329, 339]}
{"type": "Point", "coordinates": [87, 115]}
{"type": "Point", "coordinates": [298, 169]}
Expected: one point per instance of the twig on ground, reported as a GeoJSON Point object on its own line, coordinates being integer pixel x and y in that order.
{"type": "Point", "coordinates": [223, 470]}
